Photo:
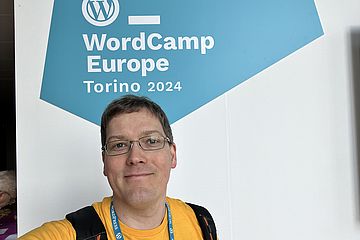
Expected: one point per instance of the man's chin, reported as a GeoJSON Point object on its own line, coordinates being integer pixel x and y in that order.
{"type": "Point", "coordinates": [141, 197]}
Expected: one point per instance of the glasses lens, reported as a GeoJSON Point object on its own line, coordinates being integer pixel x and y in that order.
{"type": "Point", "coordinates": [152, 142]}
{"type": "Point", "coordinates": [117, 147]}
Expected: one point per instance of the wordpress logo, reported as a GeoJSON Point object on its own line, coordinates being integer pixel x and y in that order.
{"type": "Point", "coordinates": [100, 12]}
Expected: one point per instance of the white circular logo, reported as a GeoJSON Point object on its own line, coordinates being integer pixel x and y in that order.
{"type": "Point", "coordinates": [100, 12]}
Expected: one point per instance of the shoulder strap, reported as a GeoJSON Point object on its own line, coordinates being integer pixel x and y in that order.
{"type": "Point", "coordinates": [87, 224]}
{"type": "Point", "coordinates": [206, 222]}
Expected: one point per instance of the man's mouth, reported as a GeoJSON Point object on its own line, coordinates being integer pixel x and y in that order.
{"type": "Point", "coordinates": [138, 175]}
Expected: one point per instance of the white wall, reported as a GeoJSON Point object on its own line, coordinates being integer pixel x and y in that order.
{"type": "Point", "coordinates": [274, 158]}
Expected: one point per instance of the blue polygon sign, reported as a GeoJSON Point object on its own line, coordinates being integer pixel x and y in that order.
{"type": "Point", "coordinates": [181, 54]}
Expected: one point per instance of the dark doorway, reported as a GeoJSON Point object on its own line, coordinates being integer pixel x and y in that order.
{"type": "Point", "coordinates": [7, 86]}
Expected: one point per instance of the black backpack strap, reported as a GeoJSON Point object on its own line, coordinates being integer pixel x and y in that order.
{"type": "Point", "coordinates": [206, 222]}
{"type": "Point", "coordinates": [87, 224]}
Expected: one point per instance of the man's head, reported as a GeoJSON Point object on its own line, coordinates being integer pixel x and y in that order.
{"type": "Point", "coordinates": [138, 151]}
{"type": "Point", "coordinates": [129, 104]}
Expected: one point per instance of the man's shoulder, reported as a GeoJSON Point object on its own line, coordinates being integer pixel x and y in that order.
{"type": "Point", "coordinates": [61, 229]}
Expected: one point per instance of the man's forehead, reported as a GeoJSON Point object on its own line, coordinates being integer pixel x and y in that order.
{"type": "Point", "coordinates": [142, 121]}
{"type": "Point", "coordinates": [124, 136]}
{"type": "Point", "coordinates": [139, 113]}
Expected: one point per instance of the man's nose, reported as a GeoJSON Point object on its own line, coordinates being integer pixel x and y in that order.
{"type": "Point", "coordinates": [136, 154]}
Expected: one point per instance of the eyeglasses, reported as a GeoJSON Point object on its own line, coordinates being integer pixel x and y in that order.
{"type": "Point", "coordinates": [147, 143]}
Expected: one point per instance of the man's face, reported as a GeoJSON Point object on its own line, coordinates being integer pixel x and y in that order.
{"type": "Point", "coordinates": [138, 177]}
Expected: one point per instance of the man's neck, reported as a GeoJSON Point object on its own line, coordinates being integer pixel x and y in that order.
{"type": "Point", "coordinates": [146, 216]}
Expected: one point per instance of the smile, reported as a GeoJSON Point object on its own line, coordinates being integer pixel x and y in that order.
{"type": "Point", "coordinates": [138, 175]}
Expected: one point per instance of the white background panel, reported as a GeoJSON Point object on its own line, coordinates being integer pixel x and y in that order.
{"type": "Point", "coordinates": [202, 174]}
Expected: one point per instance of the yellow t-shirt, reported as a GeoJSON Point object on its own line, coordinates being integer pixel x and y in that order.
{"type": "Point", "coordinates": [185, 225]}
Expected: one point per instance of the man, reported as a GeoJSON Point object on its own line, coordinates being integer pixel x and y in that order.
{"type": "Point", "coordinates": [138, 155]}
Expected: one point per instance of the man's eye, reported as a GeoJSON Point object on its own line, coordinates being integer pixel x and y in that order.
{"type": "Point", "coordinates": [118, 146]}
{"type": "Point", "coordinates": [152, 140]}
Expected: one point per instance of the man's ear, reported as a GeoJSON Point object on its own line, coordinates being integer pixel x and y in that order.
{"type": "Point", "coordinates": [173, 155]}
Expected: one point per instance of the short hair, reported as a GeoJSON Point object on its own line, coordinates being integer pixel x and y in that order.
{"type": "Point", "coordinates": [133, 103]}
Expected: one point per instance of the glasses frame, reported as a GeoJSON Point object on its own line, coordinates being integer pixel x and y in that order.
{"type": "Point", "coordinates": [104, 148]}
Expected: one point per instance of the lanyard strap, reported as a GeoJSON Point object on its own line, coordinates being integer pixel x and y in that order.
{"type": "Point", "coordinates": [117, 229]}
